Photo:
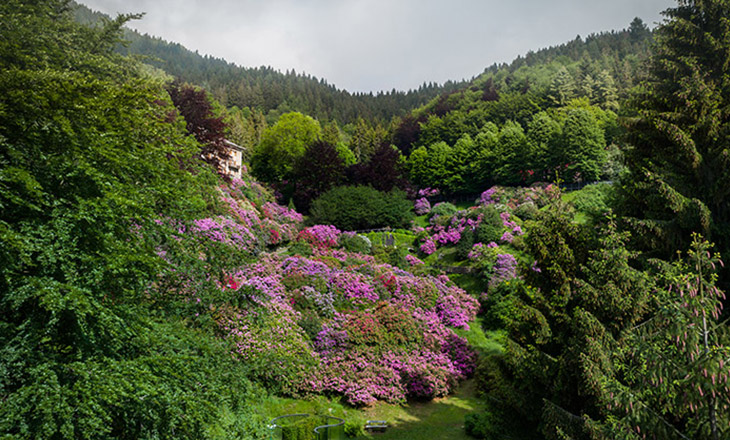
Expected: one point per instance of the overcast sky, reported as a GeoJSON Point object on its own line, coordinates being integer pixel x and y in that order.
{"type": "Point", "coordinates": [373, 45]}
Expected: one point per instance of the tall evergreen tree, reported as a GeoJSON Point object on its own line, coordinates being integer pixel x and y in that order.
{"type": "Point", "coordinates": [680, 160]}
{"type": "Point", "coordinates": [674, 381]}
{"type": "Point", "coordinates": [563, 324]}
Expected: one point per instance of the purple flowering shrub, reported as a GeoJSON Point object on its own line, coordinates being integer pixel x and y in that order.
{"type": "Point", "coordinates": [414, 261]}
{"type": "Point", "coordinates": [200, 256]}
{"type": "Point", "coordinates": [512, 198]}
{"type": "Point", "coordinates": [492, 219]}
{"type": "Point", "coordinates": [320, 236]}
{"type": "Point", "coordinates": [244, 226]}
{"type": "Point", "coordinates": [428, 247]}
{"type": "Point", "coordinates": [422, 206]}
{"type": "Point", "coordinates": [495, 265]}
{"type": "Point", "coordinates": [334, 322]}
{"type": "Point", "coordinates": [504, 269]}
{"type": "Point", "coordinates": [385, 334]}
{"type": "Point", "coordinates": [428, 192]}
{"type": "Point", "coordinates": [453, 313]}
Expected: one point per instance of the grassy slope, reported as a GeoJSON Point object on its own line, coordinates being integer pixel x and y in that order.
{"type": "Point", "coordinates": [437, 419]}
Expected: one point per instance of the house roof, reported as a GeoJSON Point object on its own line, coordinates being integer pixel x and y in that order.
{"type": "Point", "coordinates": [232, 145]}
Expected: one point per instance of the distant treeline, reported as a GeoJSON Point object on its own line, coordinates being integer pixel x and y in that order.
{"type": "Point", "coordinates": [273, 92]}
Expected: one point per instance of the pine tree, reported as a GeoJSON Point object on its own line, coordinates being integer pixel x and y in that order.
{"type": "Point", "coordinates": [680, 160]}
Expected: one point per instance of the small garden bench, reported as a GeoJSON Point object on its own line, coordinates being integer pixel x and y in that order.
{"type": "Point", "coordinates": [376, 425]}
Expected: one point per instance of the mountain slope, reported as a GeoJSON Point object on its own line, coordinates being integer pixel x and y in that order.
{"type": "Point", "coordinates": [267, 89]}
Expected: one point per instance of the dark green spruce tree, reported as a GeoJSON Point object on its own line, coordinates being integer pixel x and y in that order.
{"type": "Point", "coordinates": [680, 132]}
{"type": "Point", "coordinates": [563, 325]}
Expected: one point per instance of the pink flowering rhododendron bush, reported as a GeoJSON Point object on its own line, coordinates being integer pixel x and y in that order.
{"type": "Point", "coordinates": [199, 255]}
{"type": "Point", "coordinates": [496, 217]}
{"type": "Point", "coordinates": [338, 322]}
{"type": "Point", "coordinates": [316, 319]}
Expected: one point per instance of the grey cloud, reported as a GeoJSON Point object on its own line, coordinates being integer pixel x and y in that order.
{"type": "Point", "coordinates": [371, 45]}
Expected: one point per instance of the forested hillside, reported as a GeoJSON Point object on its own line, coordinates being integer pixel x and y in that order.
{"type": "Point", "coordinates": [268, 90]}
{"type": "Point", "coordinates": [550, 115]}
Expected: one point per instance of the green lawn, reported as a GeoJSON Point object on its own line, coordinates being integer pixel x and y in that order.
{"type": "Point", "coordinates": [441, 418]}
{"type": "Point", "coordinates": [437, 419]}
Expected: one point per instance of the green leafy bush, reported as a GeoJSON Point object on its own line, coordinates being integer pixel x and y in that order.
{"type": "Point", "coordinates": [362, 207]}
{"type": "Point", "coordinates": [526, 211]}
{"type": "Point", "coordinates": [463, 247]}
{"type": "Point", "coordinates": [592, 200]}
{"type": "Point", "coordinates": [443, 209]}
{"type": "Point", "coordinates": [393, 255]}
{"type": "Point", "coordinates": [477, 425]}
{"type": "Point", "coordinates": [491, 227]}
{"type": "Point", "coordinates": [354, 428]}
{"type": "Point", "coordinates": [302, 429]}
{"type": "Point", "coordinates": [355, 243]}
{"type": "Point", "coordinates": [90, 163]}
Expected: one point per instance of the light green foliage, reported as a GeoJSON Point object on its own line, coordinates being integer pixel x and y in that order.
{"type": "Point", "coordinates": [582, 150]}
{"type": "Point", "coordinates": [512, 153]}
{"type": "Point", "coordinates": [562, 87]}
{"type": "Point", "coordinates": [543, 135]}
{"type": "Point", "coordinates": [466, 165]}
{"type": "Point", "coordinates": [452, 169]}
{"type": "Point", "coordinates": [593, 200]}
{"type": "Point", "coordinates": [245, 128]}
{"type": "Point", "coordinates": [442, 210]}
{"type": "Point", "coordinates": [429, 165]}
{"type": "Point", "coordinates": [331, 133]}
{"type": "Point", "coordinates": [606, 92]}
{"type": "Point", "coordinates": [88, 160]}
{"type": "Point", "coordinates": [448, 128]}
{"type": "Point", "coordinates": [356, 243]}
{"type": "Point", "coordinates": [347, 156]}
{"type": "Point", "coordinates": [365, 139]}
{"type": "Point", "coordinates": [282, 144]}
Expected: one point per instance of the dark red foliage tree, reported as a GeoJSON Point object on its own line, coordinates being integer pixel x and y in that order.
{"type": "Point", "coordinates": [195, 108]}
{"type": "Point", "coordinates": [383, 171]}
{"type": "Point", "coordinates": [407, 133]}
{"type": "Point", "coordinates": [443, 106]}
{"type": "Point", "coordinates": [318, 170]}
{"type": "Point", "coordinates": [490, 91]}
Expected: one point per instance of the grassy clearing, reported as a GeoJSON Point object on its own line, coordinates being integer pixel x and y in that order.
{"type": "Point", "coordinates": [422, 221]}
{"type": "Point", "coordinates": [486, 343]}
{"type": "Point", "coordinates": [437, 419]}
{"type": "Point", "coordinates": [472, 283]}
{"type": "Point", "coordinates": [441, 418]}
{"type": "Point", "coordinates": [401, 237]}
{"type": "Point", "coordinates": [464, 204]}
